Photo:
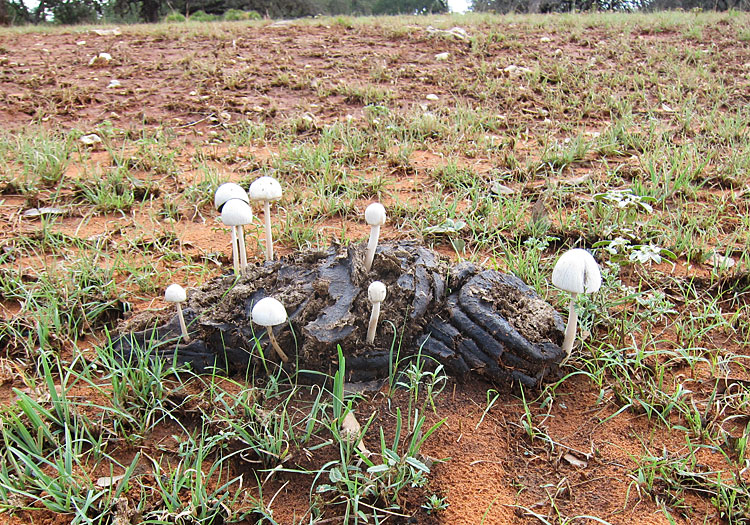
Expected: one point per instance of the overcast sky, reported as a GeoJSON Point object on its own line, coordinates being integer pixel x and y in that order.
{"type": "Point", "coordinates": [458, 6]}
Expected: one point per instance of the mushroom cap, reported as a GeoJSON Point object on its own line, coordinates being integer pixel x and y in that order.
{"type": "Point", "coordinates": [376, 292]}
{"type": "Point", "coordinates": [375, 214]}
{"type": "Point", "coordinates": [576, 271]}
{"type": "Point", "coordinates": [268, 312]}
{"type": "Point", "coordinates": [265, 189]}
{"type": "Point", "coordinates": [236, 213]}
{"type": "Point", "coordinates": [175, 294]}
{"type": "Point", "coordinates": [227, 191]}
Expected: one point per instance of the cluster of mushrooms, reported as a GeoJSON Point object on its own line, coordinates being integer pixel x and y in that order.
{"type": "Point", "coordinates": [575, 272]}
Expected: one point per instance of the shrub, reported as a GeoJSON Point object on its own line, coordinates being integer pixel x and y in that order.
{"type": "Point", "coordinates": [174, 16]}
{"type": "Point", "coordinates": [236, 14]}
{"type": "Point", "coordinates": [202, 16]}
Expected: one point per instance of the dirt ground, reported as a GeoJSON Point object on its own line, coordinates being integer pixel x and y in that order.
{"type": "Point", "coordinates": [199, 82]}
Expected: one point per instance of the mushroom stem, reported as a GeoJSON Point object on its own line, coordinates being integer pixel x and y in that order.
{"type": "Point", "coordinates": [241, 247]}
{"type": "Point", "coordinates": [371, 245]}
{"type": "Point", "coordinates": [373, 322]}
{"type": "Point", "coordinates": [269, 241]}
{"type": "Point", "coordinates": [570, 329]}
{"type": "Point", "coordinates": [183, 326]}
{"type": "Point", "coordinates": [276, 346]}
{"type": "Point", "coordinates": [235, 258]}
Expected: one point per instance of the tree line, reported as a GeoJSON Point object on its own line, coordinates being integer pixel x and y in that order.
{"type": "Point", "coordinates": [557, 6]}
{"type": "Point", "coordinates": [79, 11]}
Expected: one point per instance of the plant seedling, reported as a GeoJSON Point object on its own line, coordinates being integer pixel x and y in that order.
{"type": "Point", "coordinates": [236, 213]}
{"type": "Point", "coordinates": [265, 190]}
{"type": "Point", "coordinates": [576, 272]}
{"type": "Point", "coordinates": [176, 294]}
{"type": "Point", "coordinates": [376, 294]}
{"type": "Point", "coordinates": [268, 312]}
{"type": "Point", "coordinates": [375, 217]}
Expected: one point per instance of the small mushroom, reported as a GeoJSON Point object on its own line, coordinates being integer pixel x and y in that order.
{"type": "Point", "coordinates": [376, 295]}
{"type": "Point", "coordinates": [265, 190]}
{"type": "Point", "coordinates": [375, 217]}
{"type": "Point", "coordinates": [228, 191]}
{"type": "Point", "coordinates": [268, 312]}
{"type": "Point", "coordinates": [176, 294]}
{"type": "Point", "coordinates": [236, 213]}
{"type": "Point", "coordinates": [576, 272]}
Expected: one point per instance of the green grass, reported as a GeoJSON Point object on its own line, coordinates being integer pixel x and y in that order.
{"type": "Point", "coordinates": [632, 141]}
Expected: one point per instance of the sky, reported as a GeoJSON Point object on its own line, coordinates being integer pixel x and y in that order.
{"type": "Point", "coordinates": [458, 6]}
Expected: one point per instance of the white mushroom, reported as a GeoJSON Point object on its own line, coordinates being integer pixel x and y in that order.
{"type": "Point", "coordinates": [375, 217]}
{"type": "Point", "coordinates": [227, 191]}
{"type": "Point", "coordinates": [376, 295]}
{"type": "Point", "coordinates": [236, 213]}
{"type": "Point", "coordinates": [176, 294]}
{"type": "Point", "coordinates": [268, 312]}
{"type": "Point", "coordinates": [265, 190]}
{"type": "Point", "coordinates": [576, 272]}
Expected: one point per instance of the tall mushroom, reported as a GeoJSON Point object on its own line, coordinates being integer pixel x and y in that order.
{"type": "Point", "coordinates": [176, 294]}
{"type": "Point", "coordinates": [376, 295]}
{"type": "Point", "coordinates": [576, 272]}
{"type": "Point", "coordinates": [266, 189]}
{"type": "Point", "coordinates": [228, 191]}
{"type": "Point", "coordinates": [375, 217]}
{"type": "Point", "coordinates": [268, 312]}
{"type": "Point", "coordinates": [236, 213]}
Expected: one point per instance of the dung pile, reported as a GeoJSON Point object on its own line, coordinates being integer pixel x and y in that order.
{"type": "Point", "coordinates": [470, 319]}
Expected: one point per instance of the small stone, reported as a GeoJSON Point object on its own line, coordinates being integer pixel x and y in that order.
{"type": "Point", "coordinates": [114, 83]}
{"type": "Point", "coordinates": [115, 31]}
{"type": "Point", "coordinates": [102, 59]}
{"type": "Point", "coordinates": [432, 97]}
{"type": "Point", "coordinates": [90, 139]}
{"type": "Point", "coordinates": [81, 43]}
{"type": "Point", "coordinates": [501, 189]}
{"type": "Point", "coordinates": [545, 39]}
{"type": "Point", "coordinates": [516, 70]}
{"type": "Point", "coordinates": [557, 52]}
{"type": "Point", "coordinates": [442, 57]}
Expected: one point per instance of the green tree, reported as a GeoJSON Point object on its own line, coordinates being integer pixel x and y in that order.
{"type": "Point", "coordinates": [410, 7]}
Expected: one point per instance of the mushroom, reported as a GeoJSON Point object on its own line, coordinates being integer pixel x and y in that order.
{"type": "Point", "coordinates": [176, 294]}
{"type": "Point", "coordinates": [576, 272]}
{"type": "Point", "coordinates": [236, 213]}
{"type": "Point", "coordinates": [265, 190]}
{"type": "Point", "coordinates": [228, 191]}
{"type": "Point", "coordinates": [376, 295]}
{"type": "Point", "coordinates": [268, 312]}
{"type": "Point", "coordinates": [375, 217]}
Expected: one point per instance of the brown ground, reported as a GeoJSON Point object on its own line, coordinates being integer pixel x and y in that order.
{"type": "Point", "coordinates": [198, 81]}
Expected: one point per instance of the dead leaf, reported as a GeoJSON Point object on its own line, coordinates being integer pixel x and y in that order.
{"type": "Point", "coordinates": [47, 210]}
{"type": "Point", "coordinates": [108, 481]}
{"type": "Point", "coordinates": [570, 458]}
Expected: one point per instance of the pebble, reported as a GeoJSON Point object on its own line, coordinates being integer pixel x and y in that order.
{"type": "Point", "coordinates": [90, 139]}
{"type": "Point", "coordinates": [102, 59]}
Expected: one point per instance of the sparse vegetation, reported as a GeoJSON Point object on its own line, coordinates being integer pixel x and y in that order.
{"type": "Point", "coordinates": [625, 134]}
